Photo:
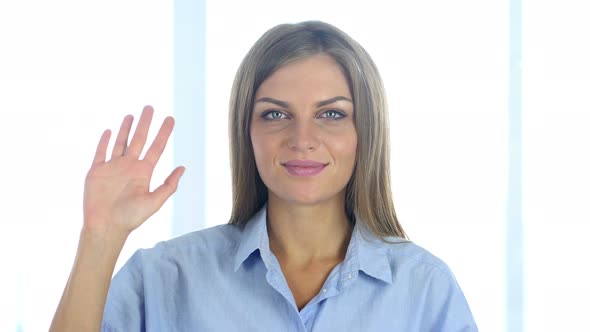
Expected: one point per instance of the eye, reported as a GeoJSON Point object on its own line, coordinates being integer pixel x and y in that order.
{"type": "Point", "coordinates": [333, 114]}
{"type": "Point", "coordinates": [274, 115]}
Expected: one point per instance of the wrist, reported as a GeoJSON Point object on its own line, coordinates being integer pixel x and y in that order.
{"type": "Point", "coordinates": [103, 237]}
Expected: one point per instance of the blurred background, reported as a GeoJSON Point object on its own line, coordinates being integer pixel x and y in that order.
{"type": "Point", "coordinates": [490, 117]}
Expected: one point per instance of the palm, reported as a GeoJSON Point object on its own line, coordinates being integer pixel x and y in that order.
{"type": "Point", "coordinates": [116, 193]}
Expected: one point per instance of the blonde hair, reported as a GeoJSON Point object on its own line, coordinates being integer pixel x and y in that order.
{"type": "Point", "coordinates": [368, 192]}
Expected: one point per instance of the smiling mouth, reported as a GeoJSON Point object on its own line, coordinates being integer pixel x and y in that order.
{"type": "Point", "coordinates": [304, 170]}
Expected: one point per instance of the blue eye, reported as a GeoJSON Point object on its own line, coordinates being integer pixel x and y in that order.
{"type": "Point", "coordinates": [333, 114]}
{"type": "Point", "coordinates": [273, 115]}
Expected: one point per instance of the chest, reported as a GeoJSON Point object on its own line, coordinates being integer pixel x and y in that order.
{"type": "Point", "coordinates": [254, 298]}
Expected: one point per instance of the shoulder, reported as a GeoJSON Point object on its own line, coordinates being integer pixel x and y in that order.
{"type": "Point", "coordinates": [203, 244]}
{"type": "Point", "coordinates": [407, 257]}
{"type": "Point", "coordinates": [163, 273]}
{"type": "Point", "coordinates": [428, 280]}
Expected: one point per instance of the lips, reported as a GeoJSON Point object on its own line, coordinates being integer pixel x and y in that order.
{"type": "Point", "coordinates": [304, 167]}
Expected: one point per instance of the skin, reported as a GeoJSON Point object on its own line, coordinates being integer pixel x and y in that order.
{"type": "Point", "coordinates": [308, 227]}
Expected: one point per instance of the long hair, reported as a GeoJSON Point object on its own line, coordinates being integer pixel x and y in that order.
{"type": "Point", "coordinates": [368, 192]}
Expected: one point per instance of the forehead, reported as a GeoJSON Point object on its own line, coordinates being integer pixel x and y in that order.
{"type": "Point", "coordinates": [312, 78]}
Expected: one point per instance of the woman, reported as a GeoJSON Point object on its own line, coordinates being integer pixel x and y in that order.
{"type": "Point", "coordinates": [313, 243]}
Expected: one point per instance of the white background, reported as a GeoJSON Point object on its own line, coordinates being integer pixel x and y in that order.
{"type": "Point", "coordinates": [70, 69]}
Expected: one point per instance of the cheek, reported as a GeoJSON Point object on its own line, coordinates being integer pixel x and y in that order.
{"type": "Point", "coordinates": [351, 151]}
{"type": "Point", "coordinates": [263, 150]}
{"type": "Point", "coordinates": [255, 141]}
{"type": "Point", "coordinates": [347, 147]}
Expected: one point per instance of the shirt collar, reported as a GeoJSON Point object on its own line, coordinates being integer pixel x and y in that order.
{"type": "Point", "coordinates": [254, 236]}
{"type": "Point", "coordinates": [366, 252]}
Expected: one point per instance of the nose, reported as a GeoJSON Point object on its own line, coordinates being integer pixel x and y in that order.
{"type": "Point", "coordinates": [303, 136]}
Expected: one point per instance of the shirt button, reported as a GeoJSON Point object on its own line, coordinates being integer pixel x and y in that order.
{"type": "Point", "coordinates": [350, 276]}
{"type": "Point", "coordinates": [324, 290]}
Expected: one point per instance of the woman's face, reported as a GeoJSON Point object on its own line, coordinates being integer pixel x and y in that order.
{"type": "Point", "coordinates": [303, 133]}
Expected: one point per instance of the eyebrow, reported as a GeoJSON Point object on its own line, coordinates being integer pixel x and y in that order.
{"type": "Point", "coordinates": [285, 104]}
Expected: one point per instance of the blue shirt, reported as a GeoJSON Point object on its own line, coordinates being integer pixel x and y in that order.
{"type": "Point", "coordinates": [226, 278]}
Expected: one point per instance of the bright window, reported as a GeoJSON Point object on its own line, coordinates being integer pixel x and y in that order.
{"type": "Point", "coordinates": [556, 164]}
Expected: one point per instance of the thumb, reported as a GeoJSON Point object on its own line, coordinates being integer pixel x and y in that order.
{"type": "Point", "coordinates": [166, 189]}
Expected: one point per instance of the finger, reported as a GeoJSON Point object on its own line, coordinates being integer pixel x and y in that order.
{"type": "Point", "coordinates": [101, 149]}
{"type": "Point", "coordinates": [141, 132]}
{"type": "Point", "coordinates": [164, 191]}
{"type": "Point", "coordinates": [121, 142]}
{"type": "Point", "coordinates": [157, 148]}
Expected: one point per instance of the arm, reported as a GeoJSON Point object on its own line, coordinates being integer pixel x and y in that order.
{"type": "Point", "coordinates": [117, 200]}
{"type": "Point", "coordinates": [83, 300]}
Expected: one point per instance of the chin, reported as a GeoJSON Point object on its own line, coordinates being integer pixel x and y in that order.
{"type": "Point", "coordinates": [305, 197]}
{"type": "Point", "coordinates": [306, 193]}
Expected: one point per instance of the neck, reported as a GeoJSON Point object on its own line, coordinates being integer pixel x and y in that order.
{"type": "Point", "coordinates": [304, 235]}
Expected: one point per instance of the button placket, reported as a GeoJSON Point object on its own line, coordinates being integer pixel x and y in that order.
{"type": "Point", "coordinates": [308, 314]}
{"type": "Point", "coordinates": [305, 318]}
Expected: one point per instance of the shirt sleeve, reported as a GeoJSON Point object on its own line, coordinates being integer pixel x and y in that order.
{"type": "Point", "coordinates": [124, 308]}
{"type": "Point", "coordinates": [446, 307]}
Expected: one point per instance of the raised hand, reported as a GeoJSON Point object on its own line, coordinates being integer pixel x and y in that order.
{"type": "Point", "coordinates": [116, 193]}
